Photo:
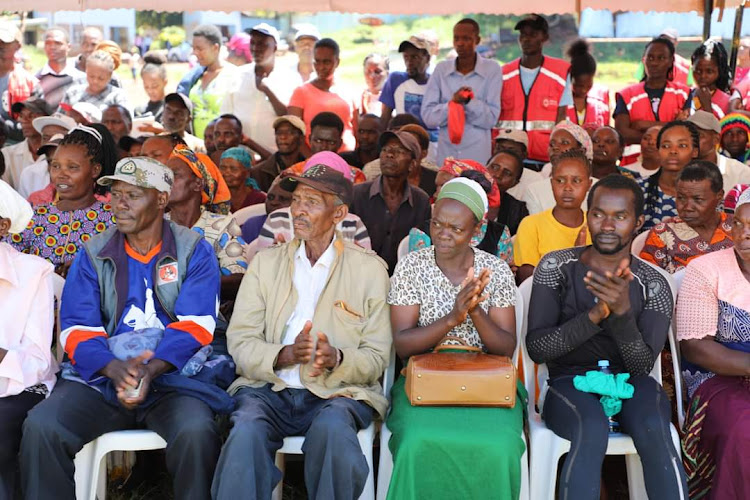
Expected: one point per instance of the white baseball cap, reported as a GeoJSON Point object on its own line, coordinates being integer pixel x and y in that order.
{"type": "Point", "coordinates": [58, 119]}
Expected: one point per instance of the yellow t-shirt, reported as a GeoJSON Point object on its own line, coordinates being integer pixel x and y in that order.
{"type": "Point", "coordinates": [541, 233]}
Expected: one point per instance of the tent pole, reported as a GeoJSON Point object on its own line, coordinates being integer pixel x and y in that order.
{"type": "Point", "coordinates": [736, 36]}
{"type": "Point", "coordinates": [708, 7]}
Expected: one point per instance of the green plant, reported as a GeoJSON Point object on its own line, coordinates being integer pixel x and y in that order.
{"type": "Point", "coordinates": [175, 35]}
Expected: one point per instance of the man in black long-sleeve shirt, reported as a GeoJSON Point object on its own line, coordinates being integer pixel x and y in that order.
{"type": "Point", "coordinates": [599, 303]}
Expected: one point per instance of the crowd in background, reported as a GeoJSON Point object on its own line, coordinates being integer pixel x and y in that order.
{"type": "Point", "coordinates": [257, 242]}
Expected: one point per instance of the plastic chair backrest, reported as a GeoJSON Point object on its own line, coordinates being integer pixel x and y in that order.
{"type": "Point", "coordinates": [530, 382]}
{"type": "Point", "coordinates": [638, 243]}
{"type": "Point", "coordinates": [58, 284]}
{"type": "Point", "coordinates": [243, 214]}
{"type": "Point", "coordinates": [674, 346]}
{"type": "Point", "coordinates": [403, 248]}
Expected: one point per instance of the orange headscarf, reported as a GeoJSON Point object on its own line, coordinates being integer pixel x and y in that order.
{"type": "Point", "coordinates": [215, 189]}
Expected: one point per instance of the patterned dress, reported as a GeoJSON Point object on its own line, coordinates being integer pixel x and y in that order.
{"type": "Point", "coordinates": [57, 235]}
{"type": "Point", "coordinates": [672, 243]}
{"type": "Point", "coordinates": [714, 303]}
{"type": "Point", "coordinates": [659, 205]}
{"type": "Point", "coordinates": [436, 449]}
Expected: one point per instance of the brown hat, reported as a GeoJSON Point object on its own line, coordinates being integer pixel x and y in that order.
{"type": "Point", "coordinates": [406, 139]}
{"type": "Point", "coordinates": [36, 105]}
{"type": "Point", "coordinates": [324, 179]}
{"type": "Point", "coordinates": [416, 41]}
{"type": "Point", "coordinates": [423, 137]}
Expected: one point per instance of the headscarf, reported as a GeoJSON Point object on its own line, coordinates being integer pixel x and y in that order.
{"type": "Point", "coordinates": [332, 160]}
{"type": "Point", "coordinates": [457, 167]}
{"type": "Point", "coordinates": [468, 192]}
{"type": "Point", "coordinates": [112, 49]}
{"type": "Point", "coordinates": [215, 190]}
{"type": "Point", "coordinates": [579, 135]}
{"type": "Point", "coordinates": [15, 208]}
{"type": "Point", "coordinates": [240, 154]}
{"type": "Point", "coordinates": [240, 44]}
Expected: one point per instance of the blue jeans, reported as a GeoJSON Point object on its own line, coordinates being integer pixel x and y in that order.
{"type": "Point", "coordinates": [335, 467]}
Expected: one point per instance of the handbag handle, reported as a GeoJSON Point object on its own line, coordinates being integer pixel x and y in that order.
{"type": "Point", "coordinates": [462, 347]}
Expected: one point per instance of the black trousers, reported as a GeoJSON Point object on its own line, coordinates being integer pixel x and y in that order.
{"type": "Point", "coordinates": [75, 414]}
{"type": "Point", "coordinates": [578, 417]}
{"type": "Point", "coordinates": [13, 410]}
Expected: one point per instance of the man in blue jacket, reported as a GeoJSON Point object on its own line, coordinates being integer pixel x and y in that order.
{"type": "Point", "coordinates": [138, 309]}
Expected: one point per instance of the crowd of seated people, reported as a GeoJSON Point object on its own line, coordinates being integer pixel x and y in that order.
{"type": "Point", "coordinates": [259, 243]}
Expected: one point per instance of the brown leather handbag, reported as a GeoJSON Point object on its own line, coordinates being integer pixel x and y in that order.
{"type": "Point", "coordinates": [470, 378]}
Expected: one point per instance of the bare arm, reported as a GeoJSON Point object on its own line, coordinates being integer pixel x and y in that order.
{"type": "Point", "coordinates": [497, 329]}
{"type": "Point", "coordinates": [295, 111]}
{"type": "Point", "coordinates": [385, 116]}
{"type": "Point", "coordinates": [715, 357]}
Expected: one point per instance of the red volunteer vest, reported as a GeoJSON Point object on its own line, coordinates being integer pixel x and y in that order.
{"type": "Point", "coordinates": [639, 105]}
{"type": "Point", "coordinates": [682, 69]}
{"type": "Point", "coordinates": [537, 112]}
{"type": "Point", "coordinates": [720, 104]}
{"type": "Point", "coordinates": [597, 113]}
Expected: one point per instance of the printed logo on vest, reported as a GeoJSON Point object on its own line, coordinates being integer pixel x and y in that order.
{"type": "Point", "coordinates": [167, 273]}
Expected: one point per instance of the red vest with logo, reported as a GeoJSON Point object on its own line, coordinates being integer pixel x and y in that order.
{"type": "Point", "coordinates": [535, 113]}
{"type": "Point", "coordinates": [639, 105]}
{"type": "Point", "coordinates": [597, 113]}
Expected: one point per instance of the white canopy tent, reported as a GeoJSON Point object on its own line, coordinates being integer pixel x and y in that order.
{"type": "Point", "coordinates": [426, 7]}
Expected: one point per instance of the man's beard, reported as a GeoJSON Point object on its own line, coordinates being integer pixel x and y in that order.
{"type": "Point", "coordinates": [611, 251]}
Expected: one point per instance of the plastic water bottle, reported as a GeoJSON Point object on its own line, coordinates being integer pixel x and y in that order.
{"type": "Point", "coordinates": [614, 425]}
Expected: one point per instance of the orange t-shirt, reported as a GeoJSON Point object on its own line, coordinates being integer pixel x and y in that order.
{"type": "Point", "coordinates": [312, 101]}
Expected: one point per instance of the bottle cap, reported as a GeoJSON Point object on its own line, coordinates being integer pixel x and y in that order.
{"type": "Point", "coordinates": [603, 363]}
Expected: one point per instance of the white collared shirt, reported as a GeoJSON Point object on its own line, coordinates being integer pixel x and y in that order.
{"type": "Point", "coordinates": [309, 281]}
{"type": "Point", "coordinates": [733, 172]}
{"type": "Point", "coordinates": [252, 106]}
{"type": "Point", "coordinates": [17, 158]}
{"type": "Point", "coordinates": [26, 322]}
{"type": "Point", "coordinates": [69, 70]}
{"type": "Point", "coordinates": [34, 177]}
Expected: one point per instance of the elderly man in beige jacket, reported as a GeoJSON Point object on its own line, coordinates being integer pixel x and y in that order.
{"type": "Point", "coordinates": [311, 336]}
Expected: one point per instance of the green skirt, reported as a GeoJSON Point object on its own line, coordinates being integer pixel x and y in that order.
{"type": "Point", "coordinates": [455, 452]}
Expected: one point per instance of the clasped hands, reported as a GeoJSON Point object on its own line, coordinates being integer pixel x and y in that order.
{"type": "Point", "coordinates": [611, 290]}
{"type": "Point", "coordinates": [471, 295]}
{"type": "Point", "coordinates": [127, 375]}
{"type": "Point", "coordinates": [301, 352]}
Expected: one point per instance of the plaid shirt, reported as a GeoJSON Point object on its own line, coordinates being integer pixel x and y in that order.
{"type": "Point", "coordinates": [111, 95]}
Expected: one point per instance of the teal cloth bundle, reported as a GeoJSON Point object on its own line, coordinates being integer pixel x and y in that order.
{"type": "Point", "coordinates": [613, 389]}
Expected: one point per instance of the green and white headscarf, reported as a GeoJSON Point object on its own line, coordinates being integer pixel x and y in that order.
{"type": "Point", "coordinates": [468, 192]}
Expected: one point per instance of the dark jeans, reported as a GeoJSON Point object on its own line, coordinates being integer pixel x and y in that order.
{"type": "Point", "coordinates": [75, 414]}
{"type": "Point", "coordinates": [335, 467]}
{"type": "Point", "coordinates": [578, 417]}
{"type": "Point", "coordinates": [13, 410]}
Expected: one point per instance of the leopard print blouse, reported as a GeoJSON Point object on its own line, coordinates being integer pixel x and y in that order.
{"type": "Point", "coordinates": [418, 280]}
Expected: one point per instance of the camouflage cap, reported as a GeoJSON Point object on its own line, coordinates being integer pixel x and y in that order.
{"type": "Point", "coordinates": [142, 172]}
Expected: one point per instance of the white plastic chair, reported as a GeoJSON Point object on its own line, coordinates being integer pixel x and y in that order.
{"type": "Point", "coordinates": [674, 346]}
{"type": "Point", "coordinates": [91, 464]}
{"type": "Point", "coordinates": [385, 469]}
{"type": "Point", "coordinates": [58, 283]}
{"type": "Point", "coordinates": [547, 447]}
{"type": "Point", "coordinates": [403, 248]}
{"type": "Point", "coordinates": [241, 215]}
{"type": "Point", "coordinates": [366, 437]}
{"type": "Point", "coordinates": [638, 243]}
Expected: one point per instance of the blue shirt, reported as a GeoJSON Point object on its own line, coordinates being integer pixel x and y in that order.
{"type": "Point", "coordinates": [482, 111]}
{"type": "Point", "coordinates": [404, 95]}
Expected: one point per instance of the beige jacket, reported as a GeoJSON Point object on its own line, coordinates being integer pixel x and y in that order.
{"type": "Point", "coordinates": [352, 311]}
